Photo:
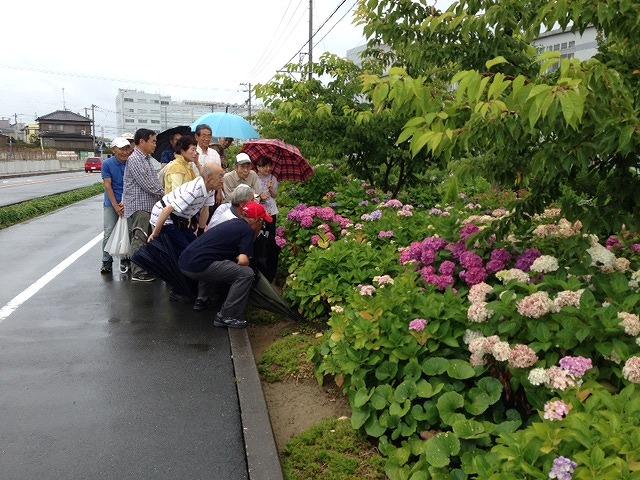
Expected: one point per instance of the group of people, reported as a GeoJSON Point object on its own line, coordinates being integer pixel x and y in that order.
{"type": "Point", "coordinates": [221, 223]}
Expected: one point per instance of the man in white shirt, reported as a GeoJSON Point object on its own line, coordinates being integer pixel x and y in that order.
{"type": "Point", "coordinates": [206, 155]}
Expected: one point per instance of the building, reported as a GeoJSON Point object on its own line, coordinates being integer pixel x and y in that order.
{"type": "Point", "coordinates": [137, 109]}
{"type": "Point", "coordinates": [30, 132]}
{"type": "Point", "coordinates": [570, 45]}
{"type": "Point", "coordinates": [65, 130]}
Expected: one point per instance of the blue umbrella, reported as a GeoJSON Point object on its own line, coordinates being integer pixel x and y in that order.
{"type": "Point", "coordinates": [227, 125]}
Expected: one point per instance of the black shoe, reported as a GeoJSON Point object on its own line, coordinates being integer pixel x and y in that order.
{"type": "Point", "coordinates": [201, 304]}
{"type": "Point", "coordinates": [106, 268]}
{"type": "Point", "coordinates": [143, 277]}
{"type": "Point", "coordinates": [228, 322]}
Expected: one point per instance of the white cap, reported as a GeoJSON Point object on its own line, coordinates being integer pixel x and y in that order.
{"type": "Point", "coordinates": [128, 136]}
{"type": "Point", "coordinates": [242, 158]}
{"type": "Point", "coordinates": [120, 142]}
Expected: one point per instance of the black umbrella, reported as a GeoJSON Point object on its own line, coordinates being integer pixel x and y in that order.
{"type": "Point", "coordinates": [265, 297]}
{"type": "Point", "coordinates": [164, 138]}
{"type": "Point", "coordinates": [160, 257]}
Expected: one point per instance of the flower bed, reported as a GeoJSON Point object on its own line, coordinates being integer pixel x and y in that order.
{"type": "Point", "coordinates": [455, 345]}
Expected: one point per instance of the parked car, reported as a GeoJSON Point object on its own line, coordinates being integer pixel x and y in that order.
{"type": "Point", "coordinates": [93, 164]}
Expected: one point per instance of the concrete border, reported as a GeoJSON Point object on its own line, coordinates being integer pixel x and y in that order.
{"type": "Point", "coordinates": [263, 462]}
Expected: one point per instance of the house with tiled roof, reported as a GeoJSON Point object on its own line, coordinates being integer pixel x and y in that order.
{"type": "Point", "coordinates": [65, 130]}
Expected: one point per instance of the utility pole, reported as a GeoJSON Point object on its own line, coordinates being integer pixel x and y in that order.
{"type": "Point", "coordinates": [310, 39]}
{"type": "Point", "coordinates": [15, 118]}
{"type": "Point", "coordinates": [248, 85]}
{"type": "Point", "coordinates": [64, 103]}
{"type": "Point", "coordinates": [93, 126]}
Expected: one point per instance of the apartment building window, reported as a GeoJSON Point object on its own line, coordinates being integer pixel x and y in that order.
{"type": "Point", "coordinates": [563, 46]}
{"type": "Point", "coordinates": [128, 99]}
{"type": "Point", "coordinates": [549, 48]}
{"type": "Point", "coordinates": [142, 120]}
{"type": "Point", "coordinates": [128, 120]}
{"type": "Point", "coordinates": [156, 101]}
{"type": "Point", "coordinates": [155, 121]}
{"type": "Point", "coordinates": [164, 102]}
{"type": "Point", "coordinates": [556, 47]}
{"type": "Point", "coordinates": [572, 44]}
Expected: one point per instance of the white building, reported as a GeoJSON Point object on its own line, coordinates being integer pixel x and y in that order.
{"type": "Point", "coordinates": [570, 45]}
{"type": "Point", "coordinates": [136, 109]}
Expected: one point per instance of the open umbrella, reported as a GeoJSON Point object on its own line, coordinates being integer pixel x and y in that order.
{"type": "Point", "coordinates": [288, 162]}
{"type": "Point", "coordinates": [164, 138]}
{"type": "Point", "coordinates": [227, 125]}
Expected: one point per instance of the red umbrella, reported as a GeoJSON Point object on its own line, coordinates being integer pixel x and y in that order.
{"type": "Point", "coordinates": [288, 162]}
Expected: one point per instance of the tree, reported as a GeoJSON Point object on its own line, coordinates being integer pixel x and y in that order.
{"type": "Point", "coordinates": [569, 133]}
{"type": "Point", "coordinates": [329, 118]}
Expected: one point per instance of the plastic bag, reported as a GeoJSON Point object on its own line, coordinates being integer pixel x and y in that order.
{"type": "Point", "coordinates": [118, 244]}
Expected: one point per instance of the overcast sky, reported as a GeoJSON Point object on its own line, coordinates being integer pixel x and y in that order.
{"type": "Point", "coordinates": [191, 51]}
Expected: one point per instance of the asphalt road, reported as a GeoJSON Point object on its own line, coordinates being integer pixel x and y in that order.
{"type": "Point", "coordinates": [102, 378]}
{"type": "Point", "coordinates": [19, 189]}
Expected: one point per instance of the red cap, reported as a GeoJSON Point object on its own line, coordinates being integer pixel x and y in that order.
{"type": "Point", "coordinates": [255, 210]}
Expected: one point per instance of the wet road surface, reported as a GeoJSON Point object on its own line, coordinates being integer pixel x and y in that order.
{"type": "Point", "coordinates": [19, 189]}
{"type": "Point", "coordinates": [102, 378]}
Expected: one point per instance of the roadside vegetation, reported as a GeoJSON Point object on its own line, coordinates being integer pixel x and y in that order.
{"type": "Point", "coordinates": [23, 211]}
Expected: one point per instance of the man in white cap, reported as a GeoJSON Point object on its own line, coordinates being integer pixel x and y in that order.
{"type": "Point", "coordinates": [242, 174]}
{"type": "Point", "coordinates": [113, 179]}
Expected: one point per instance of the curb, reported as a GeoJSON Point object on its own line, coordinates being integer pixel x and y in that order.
{"type": "Point", "coordinates": [34, 174]}
{"type": "Point", "coordinates": [263, 462]}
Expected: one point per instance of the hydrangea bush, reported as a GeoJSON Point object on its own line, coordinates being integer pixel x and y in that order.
{"type": "Point", "coordinates": [448, 343]}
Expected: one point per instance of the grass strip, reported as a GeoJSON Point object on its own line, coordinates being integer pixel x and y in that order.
{"type": "Point", "coordinates": [332, 450]}
{"type": "Point", "coordinates": [20, 212]}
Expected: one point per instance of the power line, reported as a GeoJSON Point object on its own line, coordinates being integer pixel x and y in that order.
{"type": "Point", "coordinates": [291, 31]}
{"type": "Point", "coordinates": [275, 33]}
{"type": "Point", "coordinates": [111, 79]}
{"type": "Point", "coordinates": [325, 35]}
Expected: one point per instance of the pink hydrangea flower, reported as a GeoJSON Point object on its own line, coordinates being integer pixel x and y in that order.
{"type": "Point", "coordinates": [478, 292]}
{"type": "Point", "coordinates": [535, 305]}
{"type": "Point", "coordinates": [522, 356]}
{"type": "Point", "coordinates": [280, 241]}
{"type": "Point", "coordinates": [631, 370]}
{"type": "Point", "coordinates": [315, 239]}
{"type": "Point", "coordinates": [447, 268]}
{"type": "Point", "coordinates": [555, 410]}
{"type": "Point", "coordinates": [560, 379]}
{"type": "Point", "coordinates": [478, 312]}
{"type": "Point", "coordinates": [418, 324]}
{"type": "Point", "coordinates": [383, 280]}
{"type": "Point", "coordinates": [306, 222]}
{"type": "Point", "coordinates": [384, 234]}
{"type": "Point", "coordinates": [367, 290]}
{"type": "Point", "coordinates": [393, 203]}
{"type": "Point", "coordinates": [630, 322]}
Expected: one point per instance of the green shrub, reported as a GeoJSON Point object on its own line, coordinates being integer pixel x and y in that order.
{"type": "Point", "coordinates": [20, 212]}
{"type": "Point", "coordinates": [601, 435]}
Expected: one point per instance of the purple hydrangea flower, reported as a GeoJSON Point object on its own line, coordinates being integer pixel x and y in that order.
{"type": "Point", "coordinates": [467, 231]}
{"type": "Point", "coordinates": [418, 325]}
{"type": "Point", "coordinates": [447, 268]}
{"type": "Point", "coordinates": [474, 275]}
{"type": "Point", "coordinates": [562, 468]}
{"type": "Point", "coordinates": [525, 260]}
{"type": "Point", "coordinates": [576, 366]}
{"type": "Point", "coordinates": [613, 243]}
{"type": "Point", "coordinates": [471, 260]}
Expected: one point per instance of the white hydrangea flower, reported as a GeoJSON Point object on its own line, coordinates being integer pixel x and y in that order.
{"type": "Point", "coordinates": [545, 264]}
{"type": "Point", "coordinates": [470, 335]}
{"type": "Point", "coordinates": [538, 376]}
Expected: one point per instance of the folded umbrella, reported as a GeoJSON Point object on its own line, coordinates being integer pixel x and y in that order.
{"type": "Point", "coordinates": [288, 162]}
{"type": "Point", "coordinates": [227, 125]}
{"type": "Point", "coordinates": [160, 257]}
{"type": "Point", "coordinates": [265, 297]}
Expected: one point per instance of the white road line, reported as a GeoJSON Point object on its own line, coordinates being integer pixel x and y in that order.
{"type": "Point", "coordinates": [32, 289]}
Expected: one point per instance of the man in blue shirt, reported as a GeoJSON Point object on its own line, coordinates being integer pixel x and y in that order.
{"type": "Point", "coordinates": [113, 180]}
{"type": "Point", "coordinates": [221, 256]}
